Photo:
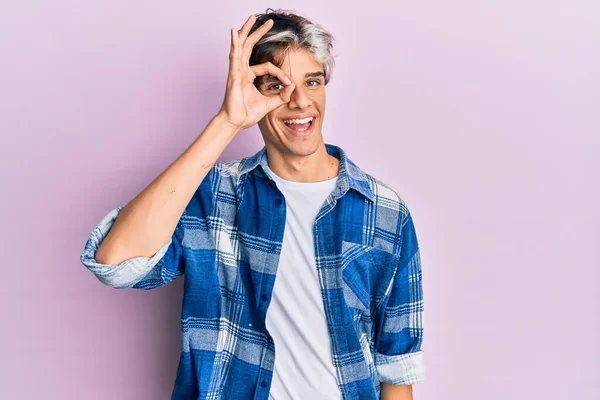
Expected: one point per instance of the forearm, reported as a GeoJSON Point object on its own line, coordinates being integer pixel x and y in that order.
{"type": "Point", "coordinates": [149, 220]}
{"type": "Point", "coordinates": [396, 392]}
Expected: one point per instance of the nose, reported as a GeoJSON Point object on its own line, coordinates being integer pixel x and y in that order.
{"type": "Point", "coordinates": [299, 99]}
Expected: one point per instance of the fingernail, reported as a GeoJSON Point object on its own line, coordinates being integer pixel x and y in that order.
{"type": "Point", "coordinates": [287, 80]}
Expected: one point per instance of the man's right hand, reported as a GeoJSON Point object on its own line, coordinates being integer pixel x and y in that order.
{"type": "Point", "coordinates": [244, 105]}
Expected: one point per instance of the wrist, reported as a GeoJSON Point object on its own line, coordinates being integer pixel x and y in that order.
{"type": "Point", "coordinates": [223, 121]}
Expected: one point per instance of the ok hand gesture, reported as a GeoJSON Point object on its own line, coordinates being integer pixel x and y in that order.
{"type": "Point", "coordinates": [244, 105]}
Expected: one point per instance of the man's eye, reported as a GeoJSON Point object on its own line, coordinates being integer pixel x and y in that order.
{"type": "Point", "coordinates": [276, 86]}
{"type": "Point", "coordinates": [316, 82]}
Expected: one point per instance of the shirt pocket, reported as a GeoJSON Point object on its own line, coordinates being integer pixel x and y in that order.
{"type": "Point", "coordinates": [366, 275]}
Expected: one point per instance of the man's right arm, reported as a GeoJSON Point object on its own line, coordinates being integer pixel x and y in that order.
{"type": "Point", "coordinates": [148, 221]}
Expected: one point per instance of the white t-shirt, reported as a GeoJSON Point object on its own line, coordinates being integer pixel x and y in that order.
{"type": "Point", "coordinates": [296, 318]}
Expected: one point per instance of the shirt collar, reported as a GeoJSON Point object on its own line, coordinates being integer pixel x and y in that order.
{"type": "Point", "coordinates": [350, 175]}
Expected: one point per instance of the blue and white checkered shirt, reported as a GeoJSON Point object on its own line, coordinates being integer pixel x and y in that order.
{"type": "Point", "coordinates": [228, 242]}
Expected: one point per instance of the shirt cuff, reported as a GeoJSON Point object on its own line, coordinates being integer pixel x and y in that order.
{"type": "Point", "coordinates": [402, 369]}
{"type": "Point", "coordinates": [125, 274]}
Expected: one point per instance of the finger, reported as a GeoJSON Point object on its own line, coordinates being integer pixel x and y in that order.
{"type": "Point", "coordinates": [270, 69]}
{"type": "Point", "coordinates": [251, 40]}
{"type": "Point", "coordinates": [234, 55]}
{"type": "Point", "coordinates": [284, 97]}
{"type": "Point", "coordinates": [246, 28]}
{"type": "Point", "coordinates": [233, 52]}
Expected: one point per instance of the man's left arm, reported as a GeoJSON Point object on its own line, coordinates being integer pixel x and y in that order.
{"type": "Point", "coordinates": [399, 359]}
{"type": "Point", "coordinates": [396, 392]}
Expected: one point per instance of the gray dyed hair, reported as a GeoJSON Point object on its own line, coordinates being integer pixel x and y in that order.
{"type": "Point", "coordinates": [292, 31]}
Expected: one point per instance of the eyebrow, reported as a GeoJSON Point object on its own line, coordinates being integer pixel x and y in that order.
{"type": "Point", "coordinates": [271, 78]}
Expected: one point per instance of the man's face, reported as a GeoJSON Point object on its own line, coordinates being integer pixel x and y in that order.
{"type": "Point", "coordinates": [294, 128]}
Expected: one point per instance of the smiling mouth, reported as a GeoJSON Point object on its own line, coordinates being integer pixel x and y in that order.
{"type": "Point", "coordinates": [299, 126]}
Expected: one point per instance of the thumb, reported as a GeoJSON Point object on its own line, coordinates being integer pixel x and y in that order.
{"type": "Point", "coordinates": [284, 97]}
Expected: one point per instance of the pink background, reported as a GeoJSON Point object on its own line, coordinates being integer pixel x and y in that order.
{"type": "Point", "coordinates": [484, 117]}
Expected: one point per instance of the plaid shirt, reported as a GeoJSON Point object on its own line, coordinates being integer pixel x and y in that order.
{"type": "Point", "coordinates": [228, 242]}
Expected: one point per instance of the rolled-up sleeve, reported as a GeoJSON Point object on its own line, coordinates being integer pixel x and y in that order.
{"type": "Point", "coordinates": [136, 272]}
{"type": "Point", "coordinates": [398, 358]}
{"type": "Point", "coordinates": [171, 259]}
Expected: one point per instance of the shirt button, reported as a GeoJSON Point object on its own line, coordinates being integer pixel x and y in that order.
{"type": "Point", "coordinates": [263, 384]}
{"type": "Point", "coordinates": [263, 297]}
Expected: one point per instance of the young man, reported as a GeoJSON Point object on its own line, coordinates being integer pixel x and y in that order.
{"type": "Point", "coordinates": [302, 272]}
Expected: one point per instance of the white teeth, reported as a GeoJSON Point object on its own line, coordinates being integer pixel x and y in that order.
{"type": "Point", "coordinates": [298, 121]}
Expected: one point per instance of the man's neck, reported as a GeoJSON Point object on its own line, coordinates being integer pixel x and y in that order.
{"type": "Point", "coordinates": [316, 167]}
